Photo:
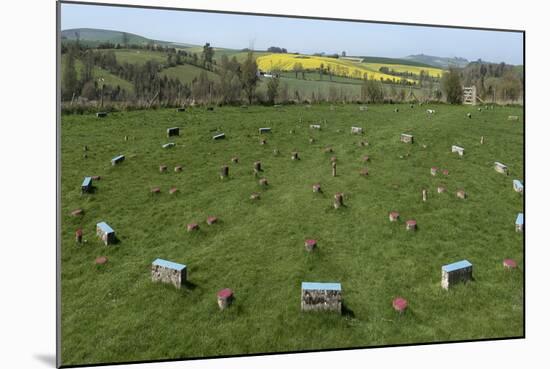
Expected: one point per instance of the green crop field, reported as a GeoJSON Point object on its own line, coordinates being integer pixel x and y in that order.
{"type": "Point", "coordinates": [114, 312]}
{"type": "Point", "coordinates": [187, 72]}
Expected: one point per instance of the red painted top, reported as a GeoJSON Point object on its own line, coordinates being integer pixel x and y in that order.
{"type": "Point", "coordinates": [400, 304]}
{"type": "Point", "coordinates": [96, 178]}
{"type": "Point", "coordinates": [394, 214]}
{"type": "Point", "coordinates": [192, 226]}
{"type": "Point", "coordinates": [101, 260]}
{"type": "Point", "coordinates": [79, 232]}
{"type": "Point", "coordinates": [510, 263]}
{"type": "Point", "coordinates": [445, 172]}
{"type": "Point", "coordinates": [155, 189]}
{"type": "Point", "coordinates": [211, 220]}
{"type": "Point", "coordinates": [225, 293]}
{"type": "Point", "coordinates": [411, 222]}
{"type": "Point", "coordinates": [311, 242]}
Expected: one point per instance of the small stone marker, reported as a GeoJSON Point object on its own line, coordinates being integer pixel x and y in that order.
{"type": "Point", "coordinates": [155, 190]}
{"type": "Point", "coordinates": [328, 150]}
{"type": "Point", "coordinates": [264, 130]}
{"type": "Point", "coordinates": [394, 216]}
{"type": "Point", "coordinates": [174, 131]}
{"type": "Point", "coordinates": [255, 196]}
{"type": "Point", "coordinates": [396, 110]}
{"type": "Point", "coordinates": [445, 172]}
{"type": "Point", "coordinates": [469, 115]}
{"type": "Point", "coordinates": [518, 186]}
{"type": "Point", "coordinates": [406, 138]}
{"type": "Point", "coordinates": [356, 130]}
{"type": "Point", "coordinates": [364, 172]}
{"type": "Point", "coordinates": [457, 149]}
{"type": "Point", "coordinates": [315, 126]}
{"type": "Point", "coordinates": [338, 200]}
{"type": "Point", "coordinates": [509, 264]}
{"type": "Point", "coordinates": [211, 220]}
{"type": "Point", "coordinates": [321, 297]}
{"type": "Point", "coordinates": [192, 227]}
{"type": "Point", "coordinates": [101, 260]}
{"type": "Point", "coordinates": [363, 108]}
{"type": "Point", "coordinates": [451, 274]}
{"type": "Point", "coordinates": [257, 166]}
{"type": "Point", "coordinates": [513, 117]}
{"type": "Point", "coordinates": [163, 168]}
{"type": "Point", "coordinates": [430, 111]}
{"type": "Point", "coordinates": [235, 160]}
{"type": "Point", "coordinates": [263, 141]}
{"type": "Point", "coordinates": [178, 168]}
{"type": "Point", "coordinates": [101, 114]}
{"type": "Point", "coordinates": [295, 156]}
{"type": "Point", "coordinates": [400, 304]}
{"type": "Point", "coordinates": [125, 138]}
{"type": "Point", "coordinates": [310, 244]}
{"type": "Point", "coordinates": [117, 160]}
{"type": "Point", "coordinates": [424, 195]}
{"type": "Point", "coordinates": [519, 222]}
{"type": "Point", "coordinates": [218, 136]}
{"type": "Point", "coordinates": [85, 148]}
{"type": "Point", "coordinates": [411, 225]}
{"type": "Point", "coordinates": [172, 190]}
{"type": "Point", "coordinates": [180, 110]}
{"type": "Point", "coordinates": [105, 233]}
{"type": "Point", "coordinates": [440, 189]}
{"type": "Point", "coordinates": [168, 272]}
{"type": "Point", "coordinates": [316, 187]}
{"type": "Point", "coordinates": [168, 145]}
{"type": "Point", "coordinates": [366, 158]}
{"type": "Point", "coordinates": [501, 168]}
{"type": "Point", "coordinates": [461, 194]}
{"type": "Point", "coordinates": [263, 182]}
{"type": "Point", "coordinates": [311, 140]}
{"type": "Point", "coordinates": [334, 169]}
{"type": "Point", "coordinates": [78, 235]}
{"type": "Point", "coordinates": [481, 140]}
{"type": "Point", "coordinates": [225, 298]}
{"type": "Point", "coordinates": [86, 185]}
{"type": "Point", "coordinates": [77, 212]}
{"type": "Point", "coordinates": [224, 171]}
{"type": "Point", "coordinates": [433, 171]}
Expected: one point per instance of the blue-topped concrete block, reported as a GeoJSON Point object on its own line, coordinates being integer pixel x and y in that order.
{"type": "Point", "coordinates": [168, 272]}
{"type": "Point", "coordinates": [106, 233]}
{"type": "Point", "coordinates": [117, 159]}
{"type": "Point", "coordinates": [519, 222]}
{"type": "Point", "coordinates": [87, 184]}
{"type": "Point", "coordinates": [501, 168]}
{"type": "Point", "coordinates": [318, 296]}
{"type": "Point", "coordinates": [451, 274]}
{"type": "Point", "coordinates": [264, 130]}
{"type": "Point", "coordinates": [518, 186]}
{"type": "Point", "coordinates": [406, 138]}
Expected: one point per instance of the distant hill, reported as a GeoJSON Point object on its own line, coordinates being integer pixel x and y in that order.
{"type": "Point", "coordinates": [400, 61]}
{"type": "Point", "coordinates": [438, 61]}
{"type": "Point", "coordinates": [95, 36]}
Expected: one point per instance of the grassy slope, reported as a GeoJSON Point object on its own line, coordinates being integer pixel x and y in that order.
{"type": "Point", "coordinates": [138, 57]}
{"type": "Point", "coordinates": [115, 312]}
{"type": "Point", "coordinates": [110, 79]}
{"type": "Point", "coordinates": [186, 73]}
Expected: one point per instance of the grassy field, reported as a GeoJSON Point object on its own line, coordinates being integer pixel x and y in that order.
{"type": "Point", "coordinates": [187, 72]}
{"type": "Point", "coordinates": [115, 313]}
{"type": "Point", "coordinates": [138, 57]}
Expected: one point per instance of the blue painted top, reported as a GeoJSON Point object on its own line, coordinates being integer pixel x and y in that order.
{"type": "Point", "coordinates": [87, 181]}
{"type": "Point", "coordinates": [519, 219]}
{"type": "Point", "coordinates": [517, 183]}
{"type": "Point", "coordinates": [105, 227]}
{"type": "Point", "coordinates": [321, 286]}
{"type": "Point", "coordinates": [117, 158]}
{"type": "Point", "coordinates": [456, 266]}
{"type": "Point", "coordinates": [169, 144]}
{"type": "Point", "coordinates": [173, 128]}
{"type": "Point", "coordinates": [169, 264]}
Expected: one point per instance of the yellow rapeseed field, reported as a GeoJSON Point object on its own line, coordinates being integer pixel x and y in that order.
{"type": "Point", "coordinates": [339, 67]}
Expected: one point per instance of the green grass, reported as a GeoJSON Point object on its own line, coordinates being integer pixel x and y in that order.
{"type": "Point", "coordinates": [115, 313]}
{"type": "Point", "coordinates": [187, 72]}
{"type": "Point", "coordinates": [109, 78]}
{"type": "Point", "coordinates": [138, 57]}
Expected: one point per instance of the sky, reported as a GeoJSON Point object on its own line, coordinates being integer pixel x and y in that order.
{"type": "Point", "coordinates": [298, 35]}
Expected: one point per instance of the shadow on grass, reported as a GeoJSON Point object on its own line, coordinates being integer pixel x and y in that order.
{"type": "Point", "coordinates": [347, 312]}
{"type": "Point", "coordinates": [189, 285]}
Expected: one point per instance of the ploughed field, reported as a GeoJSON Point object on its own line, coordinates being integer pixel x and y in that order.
{"type": "Point", "coordinates": [114, 312]}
